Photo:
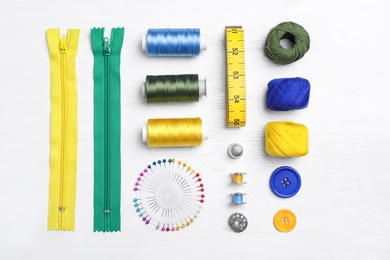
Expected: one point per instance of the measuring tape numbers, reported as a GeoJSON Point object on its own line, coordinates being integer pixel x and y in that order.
{"type": "Point", "coordinates": [235, 80]}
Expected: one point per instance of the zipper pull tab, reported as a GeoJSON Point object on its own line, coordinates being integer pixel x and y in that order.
{"type": "Point", "coordinates": [63, 44]}
{"type": "Point", "coordinates": [106, 47]}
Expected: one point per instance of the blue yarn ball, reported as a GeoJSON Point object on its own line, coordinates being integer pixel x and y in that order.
{"type": "Point", "coordinates": [288, 94]}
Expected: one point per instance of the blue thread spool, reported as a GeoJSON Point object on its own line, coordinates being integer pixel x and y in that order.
{"type": "Point", "coordinates": [238, 198]}
{"type": "Point", "coordinates": [288, 94]}
{"type": "Point", "coordinates": [174, 42]}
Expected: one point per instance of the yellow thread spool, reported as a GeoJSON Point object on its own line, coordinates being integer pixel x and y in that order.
{"type": "Point", "coordinates": [168, 132]}
{"type": "Point", "coordinates": [286, 139]}
{"type": "Point", "coordinates": [238, 178]}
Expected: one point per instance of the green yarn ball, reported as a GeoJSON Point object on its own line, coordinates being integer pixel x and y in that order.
{"type": "Point", "coordinates": [292, 32]}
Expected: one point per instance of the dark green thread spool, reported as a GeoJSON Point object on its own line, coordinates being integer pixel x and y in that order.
{"type": "Point", "coordinates": [173, 88]}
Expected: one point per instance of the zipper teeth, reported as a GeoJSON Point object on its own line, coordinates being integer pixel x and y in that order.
{"type": "Point", "coordinates": [106, 143]}
{"type": "Point", "coordinates": [63, 121]}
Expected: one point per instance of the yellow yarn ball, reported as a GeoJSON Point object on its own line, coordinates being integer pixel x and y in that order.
{"type": "Point", "coordinates": [286, 139]}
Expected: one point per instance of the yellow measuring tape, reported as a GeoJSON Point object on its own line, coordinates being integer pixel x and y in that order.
{"type": "Point", "coordinates": [235, 81]}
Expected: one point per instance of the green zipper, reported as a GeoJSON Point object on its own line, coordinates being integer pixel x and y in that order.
{"type": "Point", "coordinates": [106, 53]}
{"type": "Point", "coordinates": [107, 161]}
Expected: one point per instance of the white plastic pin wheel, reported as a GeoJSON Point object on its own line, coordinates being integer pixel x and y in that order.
{"type": "Point", "coordinates": [237, 222]}
{"type": "Point", "coordinates": [169, 195]}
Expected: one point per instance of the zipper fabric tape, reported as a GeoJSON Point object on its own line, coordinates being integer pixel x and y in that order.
{"type": "Point", "coordinates": [107, 129]}
{"type": "Point", "coordinates": [63, 130]}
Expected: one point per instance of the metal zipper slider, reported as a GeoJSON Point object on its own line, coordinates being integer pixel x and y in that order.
{"type": "Point", "coordinates": [106, 47]}
{"type": "Point", "coordinates": [63, 44]}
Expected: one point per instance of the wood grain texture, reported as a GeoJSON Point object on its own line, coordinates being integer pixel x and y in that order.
{"type": "Point", "coordinates": [343, 207]}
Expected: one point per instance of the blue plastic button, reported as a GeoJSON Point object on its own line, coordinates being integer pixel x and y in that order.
{"type": "Point", "coordinates": [285, 182]}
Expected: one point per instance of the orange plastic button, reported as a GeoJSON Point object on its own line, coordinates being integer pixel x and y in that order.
{"type": "Point", "coordinates": [285, 220]}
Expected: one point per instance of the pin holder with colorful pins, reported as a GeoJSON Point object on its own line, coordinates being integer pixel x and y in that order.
{"type": "Point", "coordinates": [169, 195]}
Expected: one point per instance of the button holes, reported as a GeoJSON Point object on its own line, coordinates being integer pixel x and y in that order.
{"type": "Point", "coordinates": [285, 182]}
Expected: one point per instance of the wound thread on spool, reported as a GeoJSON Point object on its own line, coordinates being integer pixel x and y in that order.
{"type": "Point", "coordinates": [174, 42]}
{"type": "Point", "coordinates": [173, 88]}
{"type": "Point", "coordinates": [238, 178]}
{"type": "Point", "coordinates": [286, 139]}
{"type": "Point", "coordinates": [288, 94]}
{"type": "Point", "coordinates": [171, 132]}
{"type": "Point", "coordinates": [292, 32]}
{"type": "Point", "coordinates": [238, 198]}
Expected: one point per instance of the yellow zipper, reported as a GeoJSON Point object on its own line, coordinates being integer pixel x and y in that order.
{"type": "Point", "coordinates": [63, 132]}
{"type": "Point", "coordinates": [63, 129]}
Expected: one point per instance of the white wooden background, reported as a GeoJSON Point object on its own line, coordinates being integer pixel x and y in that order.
{"type": "Point", "coordinates": [343, 207]}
